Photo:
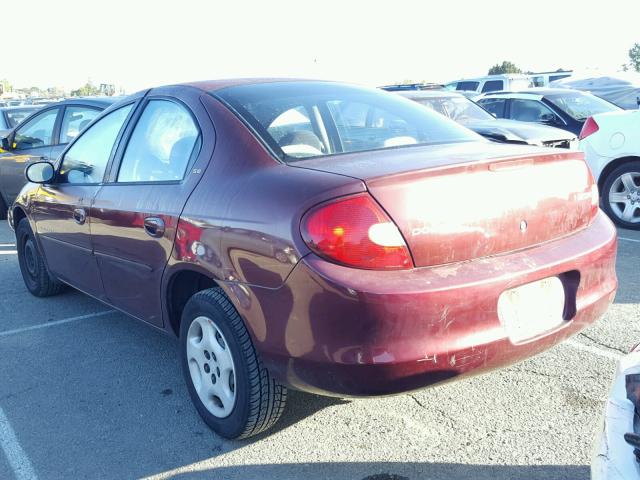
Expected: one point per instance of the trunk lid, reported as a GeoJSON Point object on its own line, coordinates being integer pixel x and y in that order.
{"type": "Point", "coordinates": [463, 201]}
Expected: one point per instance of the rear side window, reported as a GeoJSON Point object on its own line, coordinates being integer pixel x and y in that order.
{"type": "Point", "coordinates": [492, 86]}
{"type": "Point", "coordinates": [529, 110]}
{"type": "Point", "coordinates": [75, 120]}
{"type": "Point", "coordinates": [472, 86]}
{"type": "Point", "coordinates": [86, 160]}
{"type": "Point", "coordinates": [310, 119]}
{"type": "Point", "coordinates": [37, 132]}
{"type": "Point", "coordinates": [161, 144]}
{"type": "Point", "coordinates": [493, 105]}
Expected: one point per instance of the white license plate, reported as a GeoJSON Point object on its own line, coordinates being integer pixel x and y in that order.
{"type": "Point", "coordinates": [532, 309]}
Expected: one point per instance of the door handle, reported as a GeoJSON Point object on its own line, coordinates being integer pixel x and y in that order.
{"type": "Point", "coordinates": [79, 215]}
{"type": "Point", "coordinates": [154, 226]}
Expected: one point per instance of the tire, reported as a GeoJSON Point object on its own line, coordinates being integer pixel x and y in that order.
{"type": "Point", "coordinates": [35, 274]}
{"type": "Point", "coordinates": [3, 209]}
{"type": "Point", "coordinates": [218, 359]}
{"type": "Point", "coordinates": [623, 184]}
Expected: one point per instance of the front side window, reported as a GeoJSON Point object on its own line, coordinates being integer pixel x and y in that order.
{"type": "Point", "coordinates": [530, 111]}
{"type": "Point", "coordinates": [471, 86]}
{"type": "Point", "coordinates": [161, 144]}
{"type": "Point", "coordinates": [87, 159]}
{"type": "Point", "coordinates": [75, 120]}
{"type": "Point", "coordinates": [493, 105]}
{"type": "Point", "coordinates": [492, 86]}
{"type": "Point", "coordinates": [310, 119]}
{"type": "Point", "coordinates": [581, 106]}
{"type": "Point", "coordinates": [37, 132]}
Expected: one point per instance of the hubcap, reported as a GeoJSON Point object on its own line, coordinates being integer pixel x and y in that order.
{"type": "Point", "coordinates": [624, 197]}
{"type": "Point", "coordinates": [30, 257]}
{"type": "Point", "coordinates": [211, 367]}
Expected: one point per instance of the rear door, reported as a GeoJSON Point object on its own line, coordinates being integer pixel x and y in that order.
{"type": "Point", "coordinates": [61, 209]}
{"type": "Point", "coordinates": [135, 215]}
{"type": "Point", "coordinates": [32, 141]}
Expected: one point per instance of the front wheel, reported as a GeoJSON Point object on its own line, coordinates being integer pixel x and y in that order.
{"type": "Point", "coordinates": [230, 388]}
{"type": "Point", "coordinates": [621, 195]}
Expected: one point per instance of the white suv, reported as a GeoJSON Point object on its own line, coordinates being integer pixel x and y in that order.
{"type": "Point", "coordinates": [611, 143]}
{"type": "Point", "coordinates": [491, 83]}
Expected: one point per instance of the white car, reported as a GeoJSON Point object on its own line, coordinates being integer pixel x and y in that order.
{"type": "Point", "coordinates": [491, 83]}
{"type": "Point", "coordinates": [611, 144]}
{"type": "Point", "coordinates": [614, 457]}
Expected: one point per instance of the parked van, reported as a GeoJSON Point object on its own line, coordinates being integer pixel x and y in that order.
{"type": "Point", "coordinates": [492, 83]}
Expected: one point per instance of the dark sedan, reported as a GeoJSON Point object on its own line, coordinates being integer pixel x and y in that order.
{"type": "Point", "coordinates": [459, 108]}
{"type": "Point", "coordinates": [557, 107]}
{"type": "Point", "coordinates": [326, 237]}
{"type": "Point", "coordinates": [42, 136]}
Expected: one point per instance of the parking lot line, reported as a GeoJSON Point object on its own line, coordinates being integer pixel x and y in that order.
{"type": "Point", "coordinates": [54, 322]}
{"type": "Point", "coordinates": [7, 245]}
{"type": "Point", "coordinates": [629, 239]}
{"type": "Point", "coordinates": [601, 352]}
{"type": "Point", "coordinates": [16, 456]}
{"type": "Point", "coordinates": [8, 252]}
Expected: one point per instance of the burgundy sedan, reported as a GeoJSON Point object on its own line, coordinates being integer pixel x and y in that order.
{"type": "Point", "coordinates": [319, 236]}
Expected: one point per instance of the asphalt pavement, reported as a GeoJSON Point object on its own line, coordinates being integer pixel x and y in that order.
{"type": "Point", "coordinates": [86, 392]}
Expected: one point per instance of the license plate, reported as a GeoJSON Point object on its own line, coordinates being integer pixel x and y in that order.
{"type": "Point", "coordinates": [532, 309]}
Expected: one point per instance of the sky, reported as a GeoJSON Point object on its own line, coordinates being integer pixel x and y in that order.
{"type": "Point", "coordinates": [138, 44]}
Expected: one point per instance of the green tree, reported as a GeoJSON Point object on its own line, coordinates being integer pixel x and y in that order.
{"type": "Point", "coordinates": [86, 90]}
{"type": "Point", "coordinates": [505, 67]}
{"type": "Point", "coordinates": [634, 56]}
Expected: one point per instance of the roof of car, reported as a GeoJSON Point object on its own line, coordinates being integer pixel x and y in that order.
{"type": "Point", "coordinates": [94, 101]}
{"type": "Point", "coordinates": [212, 85]}
{"type": "Point", "coordinates": [533, 91]}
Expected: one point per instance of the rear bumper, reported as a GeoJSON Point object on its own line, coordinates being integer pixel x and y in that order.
{"type": "Point", "coordinates": [339, 331]}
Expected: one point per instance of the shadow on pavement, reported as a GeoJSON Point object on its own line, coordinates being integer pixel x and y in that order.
{"type": "Point", "coordinates": [387, 471]}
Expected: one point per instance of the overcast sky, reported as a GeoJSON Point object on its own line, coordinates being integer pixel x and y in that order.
{"type": "Point", "coordinates": [137, 44]}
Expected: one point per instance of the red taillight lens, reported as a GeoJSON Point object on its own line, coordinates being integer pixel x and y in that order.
{"type": "Point", "coordinates": [590, 127]}
{"type": "Point", "coordinates": [355, 231]}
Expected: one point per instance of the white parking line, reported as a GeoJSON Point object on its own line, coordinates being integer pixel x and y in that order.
{"type": "Point", "coordinates": [7, 245]}
{"type": "Point", "coordinates": [611, 355]}
{"type": "Point", "coordinates": [629, 239]}
{"type": "Point", "coordinates": [55, 322]}
{"type": "Point", "coordinates": [8, 252]}
{"type": "Point", "coordinates": [16, 456]}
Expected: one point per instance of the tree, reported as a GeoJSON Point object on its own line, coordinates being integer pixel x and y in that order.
{"type": "Point", "coordinates": [506, 67]}
{"type": "Point", "coordinates": [86, 90]}
{"type": "Point", "coordinates": [634, 56]}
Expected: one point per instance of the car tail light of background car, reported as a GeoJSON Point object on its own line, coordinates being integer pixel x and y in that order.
{"type": "Point", "coordinates": [355, 231]}
{"type": "Point", "coordinates": [590, 127]}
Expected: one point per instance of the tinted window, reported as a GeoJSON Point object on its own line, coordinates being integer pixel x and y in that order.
{"type": "Point", "coordinates": [473, 86]}
{"type": "Point", "coordinates": [305, 119]}
{"type": "Point", "coordinates": [492, 86]}
{"type": "Point", "coordinates": [160, 145]}
{"type": "Point", "coordinates": [530, 110]}
{"type": "Point", "coordinates": [86, 160]}
{"type": "Point", "coordinates": [15, 116]}
{"type": "Point", "coordinates": [74, 121]}
{"type": "Point", "coordinates": [493, 105]}
{"type": "Point", "coordinates": [580, 106]}
{"type": "Point", "coordinates": [37, 132]}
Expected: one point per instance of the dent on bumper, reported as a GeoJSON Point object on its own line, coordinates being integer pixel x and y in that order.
{"type": "Point", "coordinates": [339, 331]}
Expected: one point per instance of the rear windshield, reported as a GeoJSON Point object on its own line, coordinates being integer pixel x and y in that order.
{"type": "Point", "coordinates": [581, 106]}
{"type": "Point", "coordinates": [298, 120]}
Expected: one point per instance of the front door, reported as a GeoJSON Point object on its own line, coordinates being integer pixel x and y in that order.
{"type": "Point", "coordinates": [135, 214]}
{"type": "Point", "coordinates": [62, 209]}
{"type": "Point", "coordinates": [31, 142]}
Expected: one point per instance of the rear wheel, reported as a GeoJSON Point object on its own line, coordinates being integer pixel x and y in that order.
{"type": "Point", "coordinates": [35, 274]}
{"type": "Point", "coordinates": [621, 195]}
{"type": "Point", "coordinates": [230, 388]}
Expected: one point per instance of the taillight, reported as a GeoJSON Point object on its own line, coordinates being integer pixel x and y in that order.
{"type": "Point", "coordinates": [355, 231]}
{"type": "Point", "coordinates": [590, 127]}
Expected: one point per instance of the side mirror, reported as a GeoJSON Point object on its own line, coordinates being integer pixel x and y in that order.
{"type": "Point", "coordinates": [6, 144]}
{"type": "Point", "coordinates": [40, 172]}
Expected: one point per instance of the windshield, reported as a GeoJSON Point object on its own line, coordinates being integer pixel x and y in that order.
{"type": "Point", "coordinates": [581, 106]}
{"type": "Point", "coordinates": [15, 116]}
{"type": "Point", "coordinates": [312, 119]}
{"type": "Point", "coordinates": [460, 109]}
